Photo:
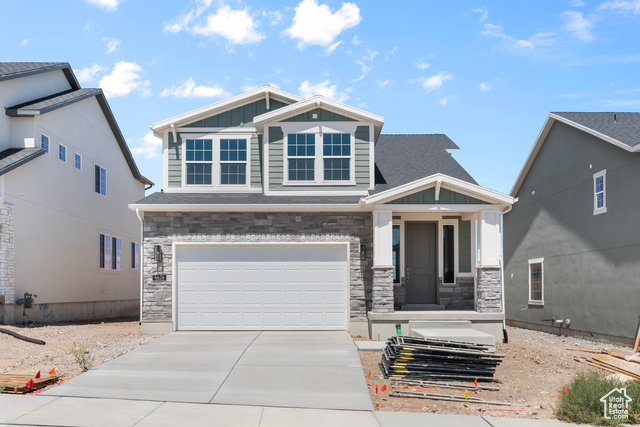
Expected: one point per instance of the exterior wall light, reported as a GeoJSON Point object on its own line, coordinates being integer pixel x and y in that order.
{"type": "Point", "coordinates": [363, 251]}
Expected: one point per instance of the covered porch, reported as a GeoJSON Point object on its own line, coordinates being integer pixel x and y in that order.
{"type": "Point", "coordinates": [437, 256]}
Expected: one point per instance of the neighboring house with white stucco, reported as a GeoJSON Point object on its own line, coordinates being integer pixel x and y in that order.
{"type": "Point", "coordinates": [66, 178]}
{"type": "Point", "coordinates": [283, 213]}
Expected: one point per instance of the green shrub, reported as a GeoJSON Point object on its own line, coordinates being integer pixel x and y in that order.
{"type": "Point", "coordinates": [81, 352]}
{"type": "Point", "coordinates": [580, 403]}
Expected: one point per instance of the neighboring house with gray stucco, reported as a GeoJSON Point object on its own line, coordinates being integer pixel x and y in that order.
{"type": "Point", "coordinates": [66, 178]}
{"type": "Point", "coordinates": [278, 212]}
{"type": "Point", "coordinates": [571, 242]}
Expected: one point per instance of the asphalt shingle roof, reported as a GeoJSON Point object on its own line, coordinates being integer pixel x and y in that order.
{"type": "Point", "coordinates": [11, 70]}
{"type": "Point", "coordinates": [15, 157]}
{"type": "Point", "coordinates": [625, 128]}
{"type": "Point", "coordinates": [243, 198]}
{"type": "Point", "coordinates": [401, 159]}
{"type": "Point", "coordinates": [53, 102]}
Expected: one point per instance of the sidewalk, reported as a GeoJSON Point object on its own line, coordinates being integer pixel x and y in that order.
{"type": "Point", "coordinates": [91, 412]}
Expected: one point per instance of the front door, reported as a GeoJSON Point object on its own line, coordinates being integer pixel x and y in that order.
{"type": "Point", "coordinates": [420, 262]}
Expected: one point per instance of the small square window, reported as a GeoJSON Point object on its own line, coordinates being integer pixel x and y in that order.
{"type": "Point", "coordinates": [44, 142]}
{"type": "Point", "coordinates": [77, 161]}
{"type": "Point", "coordinates": [62, 153]}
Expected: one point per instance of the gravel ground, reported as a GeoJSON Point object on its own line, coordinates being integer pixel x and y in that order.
{"type": "Point", "coordinates": [531, 377]}
{"type": "Point", "coordinates": [106, 341]}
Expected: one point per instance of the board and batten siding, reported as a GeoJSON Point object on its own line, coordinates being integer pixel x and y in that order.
{"type": "Point", "coordinates": [238, 117]}
{"type": "Point", "coordinates": [428, 196]}
{"type": "Point", "coordinates": [361, 162]}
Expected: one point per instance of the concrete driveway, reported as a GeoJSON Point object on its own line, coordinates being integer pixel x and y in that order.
{"type": "Point", "coordinates": [315, 370]}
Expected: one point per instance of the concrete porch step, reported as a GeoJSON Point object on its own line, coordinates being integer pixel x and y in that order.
{"type": "Point", "coordinates": [460, 330]}
{"type": "Point", "coordinates": [422, 307]}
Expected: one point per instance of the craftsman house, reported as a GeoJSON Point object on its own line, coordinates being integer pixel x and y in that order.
{"type": "Point", "coordinates": [67, 236]}
{"type": "Point", "coordinates": [571, 243]}
{"type": "Point", "coordinates": [278, 212]}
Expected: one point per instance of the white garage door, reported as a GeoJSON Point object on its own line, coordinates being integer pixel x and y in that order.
{"type": "Point", "coordinates": [262, 287]}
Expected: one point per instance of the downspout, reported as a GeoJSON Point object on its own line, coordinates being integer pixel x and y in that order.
{"type": "Point", "coordinates": [141, 259]}
{"type": "Point", "coordinates": [501, 260]}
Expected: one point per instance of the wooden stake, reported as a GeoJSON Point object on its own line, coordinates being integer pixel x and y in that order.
{"type": "Point", "coordinates": [635, 347]}
{"type": "Point", "coordinates": [585, 350]}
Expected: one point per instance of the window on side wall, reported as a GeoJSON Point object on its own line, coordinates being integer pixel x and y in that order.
{"type": "Point", "coordinates": [536, 281]}
{"type": "Point", "coordinates": [77, 161]}
{"type": "Point", "coordinates": [600, 192]}
{"type": "Point", "coordinates": [110, 252]}
{"type": "Point", "coordinates": [100, 180]}
{"type": "Point", "coordinates": [199, 161]}
{"type": "Point", "coordinates": [135, 255]}
{"type": "Point", "coordinates": [44, 142]}
{"type": "Point", "coordinates": [62, 153]}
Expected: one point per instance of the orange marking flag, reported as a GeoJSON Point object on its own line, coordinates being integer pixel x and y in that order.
{"type": "Point", "coordinates": [369, 375]}
{"type": "Point", "coordinates": [475, 382]}
{"type": "Point", "coordinates": [384, 388]}
{"type": "Point", "coordinates": [52, 371]}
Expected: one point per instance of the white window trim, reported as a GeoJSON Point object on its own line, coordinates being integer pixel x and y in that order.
{"type": "Point", "coordinates": [108, 267]}
{"type": "Point", "coordinates": [319, 129]}
{"type": "Point", "coordinates": [536, 261]}
{"type": "Point", "coordinates": [75, 153]}
{"type": "Point", "coordinates": [138, 258]}
{"type": "Point", "coordinates": [106, 186]}
{"type": "Point", "coordinates": [48, 149]}
{"type": "Point", "coordinates": [456, 272]}
{"type": "Point", "coordinates": [215, 161]}
{"type": "Point", "coordinates": [66, 153]}
{"type": "Point", "coordinates": [603, 209]}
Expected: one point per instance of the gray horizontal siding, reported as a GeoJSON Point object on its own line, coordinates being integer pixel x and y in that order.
{"type": "Point", "coordinates": [276, 138]}
{"type": "Point", "coordinates": [174, 174]}
{"type": "Point", "coordinates": [256, 161]}
{"type": "Point", "coordinates": [240, 116]}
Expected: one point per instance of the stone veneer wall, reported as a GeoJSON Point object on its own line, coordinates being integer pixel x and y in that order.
{"type": "Point", "coordinates": [383, 290]}
{"type": "Point", "coordinates": [7, 253]}
{"type": "Point", "coordinates": [164, 228]}
{"type": "Point", "coordinates": [489, 290]}
{"type": "Point", "coordinates": [458, 296]}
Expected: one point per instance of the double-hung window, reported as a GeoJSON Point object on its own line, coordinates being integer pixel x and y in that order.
{"type": "Point", "coordinates": [301, 156]}
{"type": "Point", "coordinates": [100, 180]}
{"type": "Point", "coordinates": [135, 255]}
{"type": "Point", "coordinates": [77, 161]}
{"type": "Point", "coordinates": [110, 252]}
{"type": "Point", "coordinates": [62, 153]}
{"type": "Point", "coordinates": [199, 161]}
{"type": "Point", "coordinates": [336, 153]}
{"type": "Point", "coordinates": [600, 192]}
{"type": "Point", "coordinates": [44, 142]}
{"type": "Point", "coordinates": [233, 161]}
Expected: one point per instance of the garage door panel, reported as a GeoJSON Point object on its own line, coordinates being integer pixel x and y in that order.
{"type": "Point", "coordinates": [303, 286]}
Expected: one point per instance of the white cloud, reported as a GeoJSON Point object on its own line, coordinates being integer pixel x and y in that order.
{"type": "Point", "coordinates": [181, 22]}
{"type": "Point", "coordinates": [24, 42]}
{"type": "Point", "coordinates": [89, 25]}
{"type": "Point", "coordinates": [108, 5]}
{"type": "Point", "coordinates": [383, 83]}
{"type": "Point", "coordinates": [434, 82]}
{"type": "Point", "coordinates": [325, 89]}
{"type": "Point", "coordinates": [365, 64]}
{"type": "Point", "coordinates": [112, 44]}
{"type": "Point", "coordinates": [485, 87]}
{"type": "Point", "coordinates": [274, 17]}
{"type": "Point", "coordinates": [535, 41]}
{"type": "Point", "coordinates": [421, 65]}
{"type": "Point", "coordinates": [356, 41]}
{"type": "Point", "coordinates": [189, 89]}
{"type": "Point", "coordinates": [124, 79]}
{"type": "Point", "coordinates": [578, 25]}
{"type": "Point", "coordinates": [332, 47]}
{"type": "Point", "coordinates": [88, 74]}
{"type": "Point", "coordinates": [576, 3]}
{"type": "Point", "coordinates": [447, 99]}
{"type": "Point", "coordinates": [484, 13]}
{"type": "Point", "coordinates": [237, 26]}
{"type": "Point", "coordinates": [632, 6]}
{"type": "Point", "coordinates": [149, 146]}
{"type": "Point", "coordinates": [314, 24]}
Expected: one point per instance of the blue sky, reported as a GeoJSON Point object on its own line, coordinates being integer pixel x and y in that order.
{"type": "Point", "coordinates": [486, 73]}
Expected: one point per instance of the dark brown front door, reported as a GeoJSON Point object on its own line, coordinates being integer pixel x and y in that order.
{"type": "Point", "coordinates": [420, 262]}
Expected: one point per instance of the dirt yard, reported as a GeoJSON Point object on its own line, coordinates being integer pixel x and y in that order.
{"type": "Point", "coordinates": [531, 377]}
{"type": "Point", "coordinates": [107, 340]}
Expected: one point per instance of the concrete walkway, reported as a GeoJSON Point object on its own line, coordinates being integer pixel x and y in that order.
{"type": "Point", "coordinates": [71, 411]}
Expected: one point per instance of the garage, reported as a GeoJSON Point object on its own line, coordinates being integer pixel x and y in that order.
{"type": "Point", "coordinates": [246, 286]}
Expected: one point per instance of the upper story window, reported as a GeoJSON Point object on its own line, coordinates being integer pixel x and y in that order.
{"type": "Point", "coordinates": [44, 142]}
{"type": "Point", "coordinates": [62, 153]}
{"type": "Point", "coordinates": [77, 161]}
{"type": "Point", "coordinates": [600, 192]}
{"type": "Point", "coordinates": [329, 153]}
{"type": "Point", "coordinates": [100, 180]}
{"type": "Point", "coordinates": [217, 161]}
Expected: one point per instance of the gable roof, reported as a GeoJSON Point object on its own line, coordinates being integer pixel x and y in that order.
{"type": "Point", "coordinates": [265, 91]}
{"type": "Point", "coordinates": [619, 129]}
{"type": "Point", "coordinates": [401, 159]}
{"type": "Point", "coordinates": [50, 103]}
{"type": "Point", "coordinates": [15, 157]}
{"type": "Point", "coordinates": [319, 101]}
{"type": "Point", "coordinates": [14, 70]}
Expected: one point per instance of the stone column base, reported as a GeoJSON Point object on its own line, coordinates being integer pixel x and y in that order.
{"type": "Point", "coordinates": [382, 290]}
{"type": "Point", "coordinates": [489, 290]}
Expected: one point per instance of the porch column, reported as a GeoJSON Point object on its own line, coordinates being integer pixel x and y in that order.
{"type": "Point", "coordinates": [382, 261]}
{"type": "Point", "coordinates": [488, 269]}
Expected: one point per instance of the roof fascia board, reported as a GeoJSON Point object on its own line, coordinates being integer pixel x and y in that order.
{"type": "Point", "coordinates": [247, 207]}
{"type": "Point", "coordinates": [542, 136]}
{"type": "Point", "coordinates": [224, 105]}
{"type": "Point", "coordinates": [26, 112]}
{"type": "Point", "coordinates": [26, 159]}
{"type": "Point", "coordinates": [447, 182]}
{"type": "Point", "coordinates": [65, 67]}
